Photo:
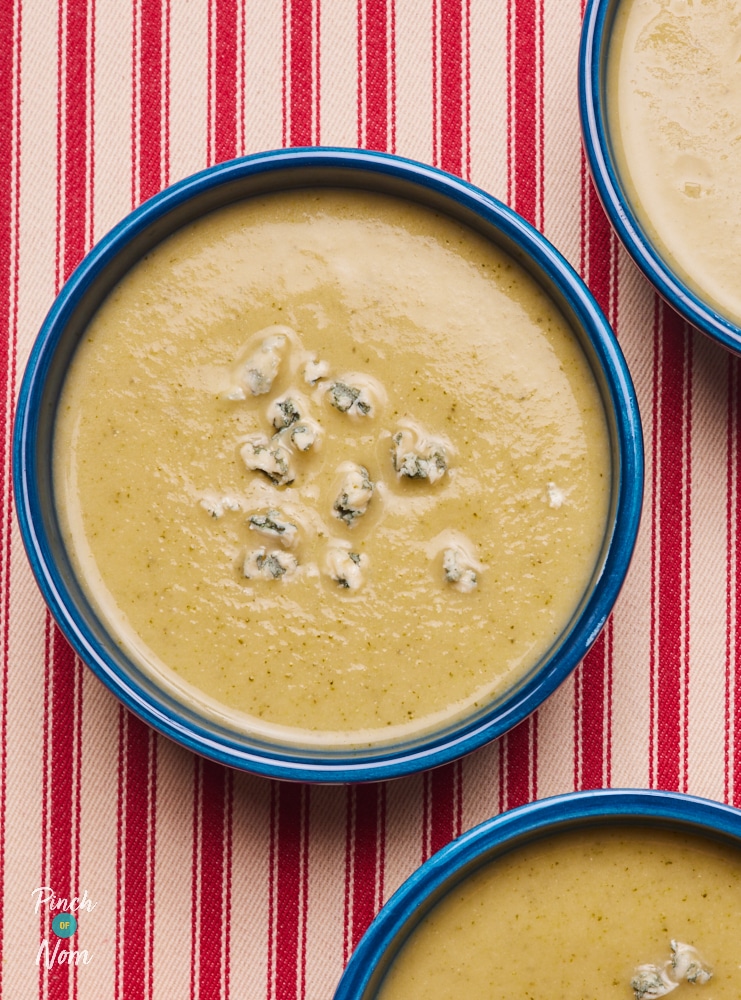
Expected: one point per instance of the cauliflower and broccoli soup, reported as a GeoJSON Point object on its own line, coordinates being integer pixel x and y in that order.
{"type": "Point", "coordinates": [333, 466]}
{"type": "Point", "coordinates": [631, 913]}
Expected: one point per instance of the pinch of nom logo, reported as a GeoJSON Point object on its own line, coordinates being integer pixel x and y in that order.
{"type": "Point", "coordinates": [63, 926]}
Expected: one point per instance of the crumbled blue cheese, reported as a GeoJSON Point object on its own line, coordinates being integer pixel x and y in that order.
{"type": "Point", "coordinates": [276, 526]}
{"type": "Point", "coordinates": [355, 494]}
{"type": "Point", "coordinates": [349, 399]}
{"type": "Point", "coordinates": [305, 435]}
{"type": "Point", "coordinates": [687, 964]}
{"type": "Point", "coordinates": [459, 570]}
{"type": "Point", "coordinates": [284, 412]}
{"type": "Point", "coordinates": [261, 455]}
{"type": "Point", "coordinates": [259, 371]}
{"type": "Point", "coordinates": [315, 370]}
{"type": "Point", "coordinates": [275, 564]}
{"type": "Point", "coordinates": [649, 982]}
{"type": "Point", "coordinates": [416, 456]}
{"type": "Point", "coordinates": [345, 567]}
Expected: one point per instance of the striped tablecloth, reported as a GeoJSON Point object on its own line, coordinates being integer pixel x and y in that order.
{"type": "Point", "coordinates": [193, 881]}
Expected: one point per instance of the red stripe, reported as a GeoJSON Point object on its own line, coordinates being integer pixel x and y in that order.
{"type": "Point", "coordinates": [214, 852]}
{"type": "Point", "coordinates": [518, 765]}
{"type": "Point", "coordinates": [366, 823]}
{"type": "Point", "coordinates": [671, 448]}
{"type": "Point", "coordinates": [442, 807]}
{"type": "Point", "coordinates": [135, 855]}
{"type": "Point", "coordinates": [376, 77]}
{"type": "Point", "coordinates": [10, 158]}
{"type": "Point", "coordinates": [288, 892]}
{"type": "Point", "coordinates": [593, 678]}
{"type": "Point", "coordinates": [63, 681]}
{"type": "Point", "coordinates": [304, 72]}
{"type": "Point", "coordinates": [525, 111]}
{"type": "Point", "coordinates": [225, 74]}
{"type": "Point", "coordinates": [149, 24]}
{"type": "Point", "coordinates": [76, 135]}
{"type": "Point", "coordinates": [451, 86]}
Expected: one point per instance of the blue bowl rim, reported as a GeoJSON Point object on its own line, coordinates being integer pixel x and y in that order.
{"type": "Point", "coordinates": [596, 29]}
{"type": "Point", "coordinates": [347, 765]}
{"type": "Point", "coordinates": [494, 837]}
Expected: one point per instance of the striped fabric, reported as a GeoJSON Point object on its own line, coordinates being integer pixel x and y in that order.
{"type": "Point", "coordinates": [195, 882]}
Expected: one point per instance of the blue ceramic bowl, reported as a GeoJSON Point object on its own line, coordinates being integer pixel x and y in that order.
{"type": "Point", "coordinates": [597, 29]}
{"type": "Point", "coordinates": [490, 840]}
{"type": "Point", "coordinates": [56, 343]}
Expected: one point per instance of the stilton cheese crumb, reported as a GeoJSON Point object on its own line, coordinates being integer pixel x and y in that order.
{"type": "Point", "coordinates": [259, 371]}
{"type": "Point", "coordinates": [260, 455]}
{"type": "Point", "coordinates": [687, 964]}
{"type": "Point", "coordinates": [355, 494]}
{"type": "Point", "coordinates": [283, 412]}
{"type": "Point", "coordinates": [315, 370]}
{"type": "Point", "coordinates": [349, 399]}
{"type": "Point", "coordinates": [305, 435]}
{"type": "Point", "coordinates": [650, 982]}
{"type": "Point", "coordinates": [459, 571]}
{"type": "Point", "coordinates": [275, 525]}
{"type": "Point", "coordinates": [273, 565]}
{"type": "Point", "coordinates": [345, 567]}
{"type": "Point", "coordinates": [416, 456]}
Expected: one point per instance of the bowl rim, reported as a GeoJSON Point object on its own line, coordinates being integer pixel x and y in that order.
{"type": "Point", "coordinates": [599, 16]}
{"type": "Point", "coordinates": [347, 764]}
{"type": "Point", "coordinates": [509, 830]}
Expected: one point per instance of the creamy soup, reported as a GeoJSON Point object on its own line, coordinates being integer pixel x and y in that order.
{"type": "Point", "coordinates": [674, 80]}
{"type": "Point", "coordinates": [332, 465]}
{"type": "Point", "coordinates": [622, 912]}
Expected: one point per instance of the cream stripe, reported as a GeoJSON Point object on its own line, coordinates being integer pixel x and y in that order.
{"type": "Point", "coordinates": [112, 114]}
{"type": "Point", "coordinates": [263, 70]}
{"type": "Point", "coordinates": [414, 80]}
{"type": "Point", "coordinates": [188, 87]}
{"type": "Point", "coordinates": [172, 905]}
{"type": "Point", "coordinates": [404, 831]}
{"type": "Point", "coordinates": [556, 743]}
{"type": "Point", "coordinates": [98, 809]}
{"type": "Point", "coordinates": [250, 872]}
{"type": "Point", "coordinates": [708, 599]}
{"type": "Point", "coordinates": [339, 83]}
{"type": "Point", "coordinates": [480, 785]}
{"type": "Point", "coordinates": [562, 155]}
{"type": "Point", "coordinates": [24, 775]}
{"type": "Point", "coordinates": [632, 615]}
{"type": "Point", "coordinates": [326, 890]}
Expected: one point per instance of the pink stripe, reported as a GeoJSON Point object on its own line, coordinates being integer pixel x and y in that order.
{"type": "Point", "coordinates": [670, 548]}
{"type": "Point", "coordinates": [593, 679]}
{"type": "Point", "coordinates": [148, 148]}
{"type": "Point", "coordinates": [63, 765]}
{"type": "Point", "coordinates": [525, 112]}
{"type": "Point", "coordinates": [226, 69]}
{"type": "Point", "coordinates": [288, 892]}
{"type": "Point", "coordinates": [303, 75]}
{"type": "Point", "coordinates": [214, 877]}
{"type": "Point", "coordinates": [374, 126]}
{"type": "Point", "coordinates": [10, 159]}
{"type": "Point", "coordinates": [451, 86]}
{"type": "Point", "coordinates": [442, 807]}
{"type": "Point", "coordinates": [366, 807]}
{"type": "Point", "coordinates": [732, 785]}
{"type": "Point", "coordinates": [136, 856]}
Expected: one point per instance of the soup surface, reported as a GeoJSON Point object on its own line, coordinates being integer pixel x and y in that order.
{"type": "Point", "coordinates": [674, 77]}
{"type": "Point", "coordinates": [330, 462]}
{"type": "Point", "coordinates": [580, 916]}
